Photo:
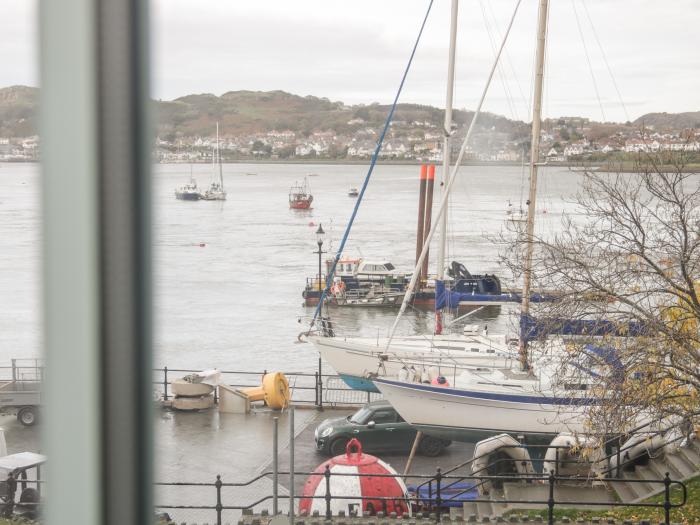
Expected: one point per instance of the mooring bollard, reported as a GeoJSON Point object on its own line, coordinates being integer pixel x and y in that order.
{"type": "Point", "coordinates": [219, 506]}
{"type": "Point", "coordinates": [275, 465]}
{"type": "Point", "coordinates": [327, 475]}
{"type": "Point", "coordinates": [550, 501]}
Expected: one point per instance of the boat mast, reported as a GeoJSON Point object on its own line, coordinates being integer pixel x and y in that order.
{"type": "Point", "coordinates": [218, 154]}
{"type": "Point", "coordinates": [448, 139]}
{"type": "Point", "coordinates": [534, 161]}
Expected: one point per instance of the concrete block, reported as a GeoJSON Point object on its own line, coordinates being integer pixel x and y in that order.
{"type": "Point", "coordinates": [231, 401]}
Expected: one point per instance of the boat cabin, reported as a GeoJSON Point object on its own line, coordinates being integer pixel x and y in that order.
{"type": "Point", "coordinates": [376, 268]}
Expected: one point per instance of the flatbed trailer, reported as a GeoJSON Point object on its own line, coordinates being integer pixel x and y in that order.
{"type": "Point", "coordinates": [21, 395]}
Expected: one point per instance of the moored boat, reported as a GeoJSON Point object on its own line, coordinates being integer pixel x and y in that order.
{"type": "Point", "coordinates": [188, 192]}
{"type": "Point", "coordinates": [300, 197]}
{"type": "Point", "coordinates": [216, 190]}
{"type": "Point", "coordinates": [353, 192]}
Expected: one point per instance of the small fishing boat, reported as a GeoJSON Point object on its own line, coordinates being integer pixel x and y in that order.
{"type": "Point", "coordinates": [353, 192]}
{"type": "Point", "coordinates": [216, 190]}
{"type": "Point", "coordinates": [188, 192]}
{"type": "Point", "coordinates": [300, 197]}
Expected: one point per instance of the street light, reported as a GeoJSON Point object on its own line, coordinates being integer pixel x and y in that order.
{"type": "Point", "coordinates": [320, 237]}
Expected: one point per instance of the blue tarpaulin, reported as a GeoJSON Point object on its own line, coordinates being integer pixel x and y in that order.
{"type": "Point", "coordinates": [532, 328]}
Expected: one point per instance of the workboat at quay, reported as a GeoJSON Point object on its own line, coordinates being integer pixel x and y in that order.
{"type": "Point", "coordinates": [359, 361]}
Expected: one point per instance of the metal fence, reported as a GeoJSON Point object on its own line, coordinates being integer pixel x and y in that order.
{"type": "Point", "coordinates": [306, 388]}
{"type": "Point", "coordinates": [436, 502]}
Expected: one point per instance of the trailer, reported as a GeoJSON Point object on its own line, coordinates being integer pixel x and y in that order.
{"type": "Point", "coordinates": [20, 395]}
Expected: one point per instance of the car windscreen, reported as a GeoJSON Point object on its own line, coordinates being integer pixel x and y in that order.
{"type": "Point", "coordinates": [361, 416]}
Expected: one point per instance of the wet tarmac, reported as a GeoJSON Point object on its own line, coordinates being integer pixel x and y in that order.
{"type": "Point", "coordinates": [196, 447]}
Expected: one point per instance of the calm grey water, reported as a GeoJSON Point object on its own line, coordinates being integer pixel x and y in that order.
{"type": "Point", "coordinates": [235, 302]}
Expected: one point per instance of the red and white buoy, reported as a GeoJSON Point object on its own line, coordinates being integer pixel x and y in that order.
{"type": "Point", "coordinates": [355, 493]}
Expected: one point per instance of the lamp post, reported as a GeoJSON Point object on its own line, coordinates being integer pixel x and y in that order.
{"type": "Point", "coordinates": [320, 236]}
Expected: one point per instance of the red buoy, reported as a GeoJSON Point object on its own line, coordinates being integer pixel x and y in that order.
{"type": "Point", "coordinates": [355, 494]}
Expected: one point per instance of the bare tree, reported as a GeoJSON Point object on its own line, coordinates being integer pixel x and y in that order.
{"type": "Point", "coordinates": [626, 273]}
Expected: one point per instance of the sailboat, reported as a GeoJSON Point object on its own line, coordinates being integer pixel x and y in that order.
{"type": "Point", "coordinates": [529, 395]}
{"type": "Point", "coordinates": [532, 397]}
{"type": "Point", "coordinates": [359, 361]}
{"type": "Point", "coordinates": [216, 190]}
{"type": "Point", "coordinates": [189, 191]}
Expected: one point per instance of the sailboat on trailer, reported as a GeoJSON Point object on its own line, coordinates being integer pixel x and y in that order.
{"type": "Point", "coordinates": [524, 396]}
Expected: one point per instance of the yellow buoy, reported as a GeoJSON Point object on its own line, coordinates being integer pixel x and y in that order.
{"type": "Point", "coordinates": [274, 391]}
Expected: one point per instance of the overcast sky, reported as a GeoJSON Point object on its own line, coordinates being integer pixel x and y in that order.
{"type": "Point", "coordinates": [356, 51]}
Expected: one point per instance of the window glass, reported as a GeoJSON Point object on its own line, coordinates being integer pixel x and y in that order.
{"type": "Point", "coordinates": [384, 416]}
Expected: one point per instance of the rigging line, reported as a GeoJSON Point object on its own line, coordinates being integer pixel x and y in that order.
{"type": "Point", "coordinates": [605, 59]}
{"type": "Point", "coordinates": [375, 155]}
{"type": "Point", "coordinates": [588, 58]}
{"type": "Point", "coordinates": [501, 75]}
{"type": "Point", "coordinates": [450, 181]}
{"type": "Point", "coordinates": [507, 56]}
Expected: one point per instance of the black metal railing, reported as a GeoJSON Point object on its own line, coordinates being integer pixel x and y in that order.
{"type": "Point", "coordinates": [314, 389]}
{"type": "Point", "coordinates": [435, 503]}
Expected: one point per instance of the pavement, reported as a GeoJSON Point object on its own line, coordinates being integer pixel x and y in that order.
{"type": "Point", "coordinates": [306, 458]}
{"type": "Point", "coordinates": [196, 447]}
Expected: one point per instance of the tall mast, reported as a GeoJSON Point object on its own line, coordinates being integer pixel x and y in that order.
{"type": "Point", "coordinates": [448, 139]}
{"type": "Point", "coordinates": [534, 161]}
{"type": "Point", "coordinates": [218, 154]}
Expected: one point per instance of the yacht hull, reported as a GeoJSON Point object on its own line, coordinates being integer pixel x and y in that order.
{"type": "Point", "coordinates": [465, 415]}
{"type": "Point", "coordinates": [357, 363]}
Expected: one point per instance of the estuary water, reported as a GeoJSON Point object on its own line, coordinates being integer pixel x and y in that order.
{"type": "Point", "coordinates": [228, 276]}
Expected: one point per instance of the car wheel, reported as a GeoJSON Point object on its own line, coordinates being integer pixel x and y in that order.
{"type": "Point", "coordinates": [431, 447]}
{"type": "Point", "coordinates": [338, 446]}
{"type": "Point", "coordinates": [27, 416]}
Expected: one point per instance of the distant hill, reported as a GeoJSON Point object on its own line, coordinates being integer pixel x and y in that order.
{"type": "Point", "coordinates": [244, 112]}
{"type": "Point", "coordinates": [690, 119]}
{"type": "Point", "coordinates": [18, 111]}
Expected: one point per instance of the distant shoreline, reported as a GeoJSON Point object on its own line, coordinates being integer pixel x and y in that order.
{"type": "Point", "coordinates": [627, 166]}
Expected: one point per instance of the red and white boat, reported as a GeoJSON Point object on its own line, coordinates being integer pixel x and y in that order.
{"type": "Point", "coordinates": [300, 197]}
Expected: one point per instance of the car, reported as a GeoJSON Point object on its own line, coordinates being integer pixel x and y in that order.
{"type": "Point", "coordinates": [378, 427]}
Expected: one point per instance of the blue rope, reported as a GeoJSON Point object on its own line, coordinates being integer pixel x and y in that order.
{"type": "Point", "coordinates": [329, 278]}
